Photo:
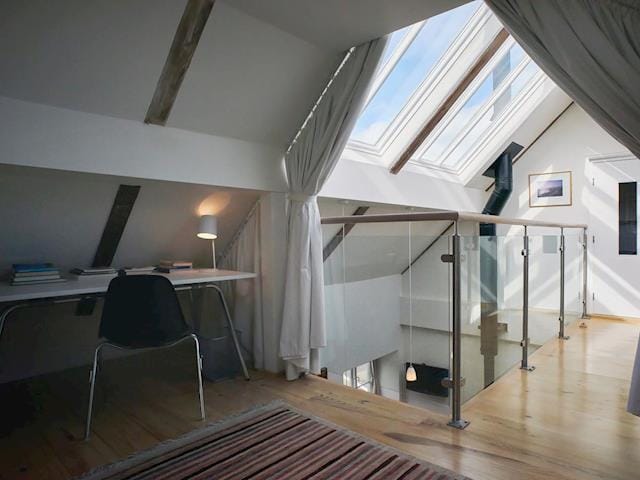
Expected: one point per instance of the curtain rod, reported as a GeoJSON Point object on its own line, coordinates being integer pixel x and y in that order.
{"type": "Point", "coordinates": [315, 105]}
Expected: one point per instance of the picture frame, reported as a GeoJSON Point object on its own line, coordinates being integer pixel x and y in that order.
{"type": "Point", "coordinates": [554, 189]}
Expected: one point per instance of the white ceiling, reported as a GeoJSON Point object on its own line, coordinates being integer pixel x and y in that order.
{"type": "Point", "coordinates": [259, 67]}
{"type": "Point", "coordinates": [341, 24]}
{"type": "Point", "coordinates": [102, 56]}
{"type": "Point", "coordinates": [250, 80]}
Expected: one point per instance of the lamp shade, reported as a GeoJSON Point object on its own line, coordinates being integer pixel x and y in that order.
{"type": "Point", "coordinates": [411, 374]}
{"type": "Point", "coordinates": [208, 228]}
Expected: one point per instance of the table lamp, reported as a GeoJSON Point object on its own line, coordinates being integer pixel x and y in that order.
{"type": "Point", "coordinates": [208, 230]}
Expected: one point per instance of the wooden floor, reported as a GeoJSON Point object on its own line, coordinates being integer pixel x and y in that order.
{"type": "Point", "coordinates": [565, 420]}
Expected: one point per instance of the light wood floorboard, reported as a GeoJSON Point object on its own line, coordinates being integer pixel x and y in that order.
{"type": "Point", "coordinates": [566, 420]}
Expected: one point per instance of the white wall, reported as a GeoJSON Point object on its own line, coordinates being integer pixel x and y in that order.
{"type": "Point", "coordinates": [42, 136]}
{"type": "Point", "coordinates": [273, 257]}
{"type": "Point", "coordinates": [567, 145]}
{"type": "Point", "coordinates": [365, 182]}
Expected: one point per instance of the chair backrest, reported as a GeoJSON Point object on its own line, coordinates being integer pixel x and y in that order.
{"type": "Point", "coordinates": [142, 311]}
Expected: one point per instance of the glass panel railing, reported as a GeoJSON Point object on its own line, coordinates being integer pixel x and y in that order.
{"type": "Point", "coordinates": [333, 356]}
{"type": "Point", "coordinates": [573, 278]}
{"type": "Point", "coordinates": [492, 309]}
{"type": "Point", "coordinates": [387, 298]}
{"type": "Point", "coordinates": [544, 288]}
{"type": "Point", "coordinates": [363, 287]}
{"type": "Point", "coordinates": [393, 297]}
{"type": "Point", "coordinates": [426, 319]}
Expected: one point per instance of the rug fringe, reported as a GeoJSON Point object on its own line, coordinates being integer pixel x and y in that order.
{"type": "Point", "coordinates": [141, 456]}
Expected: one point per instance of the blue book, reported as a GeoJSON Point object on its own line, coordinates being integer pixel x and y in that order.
{"type": "Point", "coordinates": [33, 267]}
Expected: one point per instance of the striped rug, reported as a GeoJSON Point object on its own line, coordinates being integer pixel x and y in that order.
{"type": "Point", "coordinates": [272, 442]}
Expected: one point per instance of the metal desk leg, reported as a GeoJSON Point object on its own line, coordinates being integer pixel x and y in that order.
{"type": "Point", "coordinates": [6, 312]}
{"type": "Point", "coordinates": [12, 308]}
{"type": "Point", "coordinates": [232, 329]}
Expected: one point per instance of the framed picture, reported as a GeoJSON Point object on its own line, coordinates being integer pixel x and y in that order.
{"type": "Point", "coordinates": [550, 189]}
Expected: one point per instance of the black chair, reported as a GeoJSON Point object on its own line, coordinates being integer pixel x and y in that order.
{"type": "Point", "coordinates": [142, 312]}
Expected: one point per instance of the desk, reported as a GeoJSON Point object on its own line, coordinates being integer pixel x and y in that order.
{"type": "Point", "coordinates": [13, 298]}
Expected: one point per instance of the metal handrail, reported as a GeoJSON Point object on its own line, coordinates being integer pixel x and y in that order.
{"type": "Point", "coordinates": [451, 215]}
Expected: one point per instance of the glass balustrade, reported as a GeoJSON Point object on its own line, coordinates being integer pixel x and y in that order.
{"type": "Point", "coordinates": [387, 308]}
{"type": "Point", "coordinates": [396, 298]}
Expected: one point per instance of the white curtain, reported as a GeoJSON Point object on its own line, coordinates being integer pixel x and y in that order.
{"type": "Point", "coordinates": [309, 162]}
{"type": "Point", "coordinates": [245, 296]}
{"type": "Point", "coordinates": [591, 49]}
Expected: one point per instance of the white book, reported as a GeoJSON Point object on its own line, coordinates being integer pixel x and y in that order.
{"type": "Point", "coordinates": [35, 278]}
{"type": "Point", "coordinates": [38, 282]}
{"type": "Point", "coordinates": [139, 269]}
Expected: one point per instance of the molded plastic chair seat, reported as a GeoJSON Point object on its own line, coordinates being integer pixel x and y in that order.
{"type": "Point", "coordinates": [142, 311]}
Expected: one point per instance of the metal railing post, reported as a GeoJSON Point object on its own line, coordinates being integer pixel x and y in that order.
{"type": "Point", "coordinates": [456, 367]}
{"type": "Point", "coordinates": [585, 260]}
{"type": "Point", "coordinates": [561, 334]}
{"type": "Point", "coordinates": [524, 364]}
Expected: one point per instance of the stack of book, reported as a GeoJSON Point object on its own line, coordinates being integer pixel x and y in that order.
{"type": "Point", "coordinates": [93, 272]}
{"type": "Point", "coordinates": [35, 273]}
{"type": "Point", "coordinates": [169, 266]}
{"type": "Point", "coordinates": [134, 270]}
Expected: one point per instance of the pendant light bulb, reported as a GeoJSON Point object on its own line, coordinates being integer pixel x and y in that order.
{"type": "Point", "coordinates": [411, 374]}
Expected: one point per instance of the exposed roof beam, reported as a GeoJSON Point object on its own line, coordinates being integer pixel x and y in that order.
{"type": "Point", "coordinates": [448, 102]}
{"type": "Point", "coordinates": [431, 244]}
{"type": "Point", "coordinates": [343, 232]}
{"type": "Point", "coordinates": [194, 18]}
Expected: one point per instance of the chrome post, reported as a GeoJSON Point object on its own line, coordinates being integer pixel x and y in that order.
{"type": "Point", "coordinates": [92, 381]}
{"type": "Point", "coordinates": [585, 260]}
{"type": "Point", "coordinates": [524, 364]}
{"type": "Point", "coordinates": [456, 367]}
{"type": "Point", "coordinates": [561, 334]}
{"type": "Point", "coordinates": [199, 364]}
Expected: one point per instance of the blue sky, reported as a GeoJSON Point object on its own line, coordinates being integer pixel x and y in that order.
{"type": "Point", "coordinates": [434, 39]}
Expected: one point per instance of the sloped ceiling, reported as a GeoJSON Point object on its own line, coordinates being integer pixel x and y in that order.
{"type": "Point", "coordinates": [340, 24]}
{"type": "Point", "coordinates": [50, 215]}
{"type": "Point", "coordinates": [258, 69]}
{"type": "Point", "coordinates": [102, 56]}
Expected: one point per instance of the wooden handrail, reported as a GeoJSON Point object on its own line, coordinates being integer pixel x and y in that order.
{"type": "Point", "coordinates": [440, 215]}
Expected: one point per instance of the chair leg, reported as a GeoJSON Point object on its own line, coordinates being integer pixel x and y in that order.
{"type": "Point", "coordinates": [199, 363]}
{"type": "Point", "coordinates": [92, 380]}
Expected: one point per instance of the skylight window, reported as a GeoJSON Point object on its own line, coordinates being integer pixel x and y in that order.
{"type": "Point", "coordinates": [449, 146]}
{"type": "Point", "coordinates": [477, 128]}
{"type": "Point", "coordinates": [450, 92]}
{"type": "Point", "coordinates": [408, 59]}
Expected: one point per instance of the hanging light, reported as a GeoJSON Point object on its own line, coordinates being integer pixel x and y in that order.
{"type": "Point", "coordinates": [411, 372]}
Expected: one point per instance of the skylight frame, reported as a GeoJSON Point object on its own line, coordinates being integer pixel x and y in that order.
{"type": "Point", "coordinates": [515, 106]}
{"type": "Point", "coordinates": [461, 102]}
{"type": "Point", "coordinates": [439, 70]}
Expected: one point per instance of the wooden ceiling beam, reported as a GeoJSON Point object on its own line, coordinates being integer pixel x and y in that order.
{"type": "Point", "coordinates": [339, 237]}
{"type": "Point", "coordinates": [448, 102]}
{"type": "Point", "coordinates": [194, 18]}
